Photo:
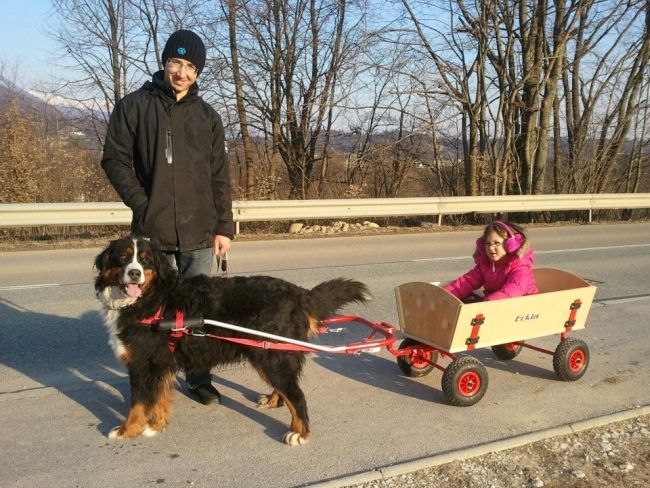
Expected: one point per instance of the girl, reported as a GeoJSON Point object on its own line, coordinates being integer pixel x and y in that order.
{"type": "Point", "coordinates": [504, 265]}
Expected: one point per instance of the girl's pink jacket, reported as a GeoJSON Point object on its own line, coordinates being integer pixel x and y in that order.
{"type": "Point", "coordinates": [510, 276]}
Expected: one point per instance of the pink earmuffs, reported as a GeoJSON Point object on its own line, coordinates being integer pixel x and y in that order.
{"type": "Point", "coordinates": [514, 240]}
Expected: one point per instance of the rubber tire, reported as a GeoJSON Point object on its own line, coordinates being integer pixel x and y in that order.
{"type": "Point", "coordinates": [459, 381]}
{"type": "Point", "coordinates": [507, 351]}
{"type": "Point", "coordinates": [571, 359]}
{"type": "Point", "coordinates": [416, 370]}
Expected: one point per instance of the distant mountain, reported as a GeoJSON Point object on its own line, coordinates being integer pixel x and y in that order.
{"type": "Point", "coordinates": [59, 116]}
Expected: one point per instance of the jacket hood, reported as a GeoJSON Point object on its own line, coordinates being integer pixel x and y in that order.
{"type": "Point", "coordinates": [159, 86]}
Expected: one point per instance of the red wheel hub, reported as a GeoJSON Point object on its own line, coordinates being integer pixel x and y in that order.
{"type": "Point", "coordinates": [512, 346]}
{"type": "Point", "coordinates": [469, 383]}
{"type": "Point", "coordinates": [577, 360]}
{"type": "Point", "coordinates": [420, 359]}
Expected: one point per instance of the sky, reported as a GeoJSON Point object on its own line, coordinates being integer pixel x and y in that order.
{"type": "Point", "coordinates": [24, 40]}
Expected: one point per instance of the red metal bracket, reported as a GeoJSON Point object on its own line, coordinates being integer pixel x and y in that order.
{"type": "Point", "coordinates": [473, 339]}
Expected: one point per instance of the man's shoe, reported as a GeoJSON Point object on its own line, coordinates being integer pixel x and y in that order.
{"type": "Point", "coordinates": [206, 394]}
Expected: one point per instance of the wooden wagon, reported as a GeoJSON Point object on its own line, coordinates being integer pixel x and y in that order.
{"type": "Point", "coordinates": [436, 324]}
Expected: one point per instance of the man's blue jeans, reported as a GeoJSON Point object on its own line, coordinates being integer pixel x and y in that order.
{"type": "Point", "coordinates": [192, 263]}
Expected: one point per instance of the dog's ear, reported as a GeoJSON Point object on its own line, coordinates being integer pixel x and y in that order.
{"type": "Point", "coordinates": [101, 263]}
{"type": "Point", "coordinates": [102, 258]}
{"type": "Point", "coordinates": [165, 270]}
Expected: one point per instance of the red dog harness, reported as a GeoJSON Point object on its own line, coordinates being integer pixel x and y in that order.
{"type": "Point", "coordinates": [176, 332]}
{"type": "Point", "coordinates": [181, 329]}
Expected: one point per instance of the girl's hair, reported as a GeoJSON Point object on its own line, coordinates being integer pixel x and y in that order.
{"type": "Point", "coordinates": [519, 245]}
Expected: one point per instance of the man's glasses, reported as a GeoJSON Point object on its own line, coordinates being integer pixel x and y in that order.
{"type": "Point", "coordinates": [175, 65]}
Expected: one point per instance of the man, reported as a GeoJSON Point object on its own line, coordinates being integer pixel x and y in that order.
{"type": "Point", "coordinates": [165, 155]}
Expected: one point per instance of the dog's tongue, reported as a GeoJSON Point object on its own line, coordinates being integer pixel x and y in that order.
{"type": "Point", "coordinates": [133, 291]}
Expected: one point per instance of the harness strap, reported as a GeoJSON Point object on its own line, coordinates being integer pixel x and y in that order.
{"type": "Point", "coordinates": [177, 332]}
{"type": "Point", "coordinates": [281, 346]}
{"type": "Point", "coordinates": [180, 330]}
{"type": "Point", "coordinates": [154, 319]}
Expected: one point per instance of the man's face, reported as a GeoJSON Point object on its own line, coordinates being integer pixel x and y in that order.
{"type": "Point", "coordinates": [180, 74]}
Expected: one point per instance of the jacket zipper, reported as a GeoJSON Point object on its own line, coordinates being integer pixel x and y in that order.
{"type": "Point", "coordinates": [169, 155]}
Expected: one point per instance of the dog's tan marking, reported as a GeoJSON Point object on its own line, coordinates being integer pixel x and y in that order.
{"type": "Point", "coordinates": [314, 325]}
{"type": "Point", "coordinates": [160, 412]}
{"type": "Point", "coordinates": [298, 433]}
{"type": "Point", "coordinates": [272, 400]}
{"type": "Point", "coordinates": [149, 278]}
{"type": "Point", "coordinates": [135, 424]}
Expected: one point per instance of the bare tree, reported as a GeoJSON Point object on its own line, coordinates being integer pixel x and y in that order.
{"type": "Point", "coordinates": [289, 54]}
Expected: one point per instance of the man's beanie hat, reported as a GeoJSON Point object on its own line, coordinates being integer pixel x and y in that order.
{"type": "Point", "coordinates": [185, 44]}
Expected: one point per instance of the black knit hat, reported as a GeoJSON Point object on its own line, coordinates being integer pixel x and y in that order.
{"type": "Point", "coordinates": [185, 44]}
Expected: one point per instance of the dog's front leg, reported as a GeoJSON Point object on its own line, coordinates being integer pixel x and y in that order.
{"type": "Point", "coordinates": [142, 399]}
{"type": "Point", "coordinates": [161, 410]}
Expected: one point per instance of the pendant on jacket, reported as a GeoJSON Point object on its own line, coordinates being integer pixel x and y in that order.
{"type": "Point", "coordinates": [168, 147]}
{"type": "Point", "coordinates": [494, 268]}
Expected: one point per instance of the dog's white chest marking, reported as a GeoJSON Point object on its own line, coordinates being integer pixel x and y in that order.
{"type": "Point", "coordinates": [110, 321]}
{"type": "Point", "coordinates": [113, 299]}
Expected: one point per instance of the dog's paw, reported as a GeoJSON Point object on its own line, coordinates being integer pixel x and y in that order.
{"type": "Point", "coordinates": [115, 433]}
{"type": "Point", "coordinates": [294, 439]}
{"type": "Point", "coordinates": [265, 402]}
{"type": "Point", "coordinates": [149, 432]}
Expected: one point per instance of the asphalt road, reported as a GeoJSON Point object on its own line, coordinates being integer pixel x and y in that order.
{"type": "Point", "coordinates": [61, 390]}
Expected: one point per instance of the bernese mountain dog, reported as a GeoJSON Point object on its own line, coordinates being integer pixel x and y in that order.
{"type": "Point", "coordinates": [137, 288]}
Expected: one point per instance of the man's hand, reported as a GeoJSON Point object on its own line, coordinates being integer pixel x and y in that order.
{"type": "Point", "coordinates": [221, 245]}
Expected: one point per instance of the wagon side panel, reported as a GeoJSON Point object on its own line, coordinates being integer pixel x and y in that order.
{"type": "Point", "coordinates": [564, 301]}
{"type": "Point", "coordinates": [520, 319]}
{"type": "Point", "coordinates": [427, 313]}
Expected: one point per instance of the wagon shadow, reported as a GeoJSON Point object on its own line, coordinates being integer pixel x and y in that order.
{"type": "Point", "coordinates": [519, 365]}
{"type": "Point", "coordinates": [378, 370]}
{"type": "Point", "coordinates": [382, 372]}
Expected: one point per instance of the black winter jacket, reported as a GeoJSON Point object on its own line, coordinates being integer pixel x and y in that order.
{"type": "Point", "coordinates": [168, 162]}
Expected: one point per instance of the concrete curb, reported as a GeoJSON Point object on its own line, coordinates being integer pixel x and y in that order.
{"type": "Point", "coordinates": [470, 452]}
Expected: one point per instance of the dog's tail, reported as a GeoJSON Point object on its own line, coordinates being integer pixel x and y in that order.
{"type": "Point", "coordinates": [330, 296]}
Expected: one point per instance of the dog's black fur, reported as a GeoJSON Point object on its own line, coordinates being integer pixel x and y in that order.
{"type": "Point", "coordinates": [258, 302]}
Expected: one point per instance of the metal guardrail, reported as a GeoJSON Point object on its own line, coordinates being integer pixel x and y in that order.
{"type": "Point", "coordinates": [113, 213]}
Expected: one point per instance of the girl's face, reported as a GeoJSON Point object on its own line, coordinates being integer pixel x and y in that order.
{"type": "Point", "coordinates": [494, 246]}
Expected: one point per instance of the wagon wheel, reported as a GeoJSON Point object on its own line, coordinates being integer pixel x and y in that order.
{"type": "Point", "coordinates": [571, 359]}
{"type": "Point", "coordinates": [465, 381]}
{"type": "Point", "coordinates": [507, 351]}
{"type": "Point", "coordinates": [417, 363]}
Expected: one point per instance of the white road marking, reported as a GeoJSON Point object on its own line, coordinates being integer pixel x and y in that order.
{"type": "Point", "coordinates": [556, 251]}
{"type": "Point", "coordinates": [28, 287]}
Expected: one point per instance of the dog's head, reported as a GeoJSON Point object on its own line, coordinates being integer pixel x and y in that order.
{"type": "Point", "coordinates": [127, 270]}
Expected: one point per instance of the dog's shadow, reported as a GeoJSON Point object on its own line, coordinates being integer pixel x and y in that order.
{"type": "Point", "coordinates": [274, 428]}
{"type": "Point", "coordinates": [72, 356]}
{"type": "Point", "coordinates": [69, 355]}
